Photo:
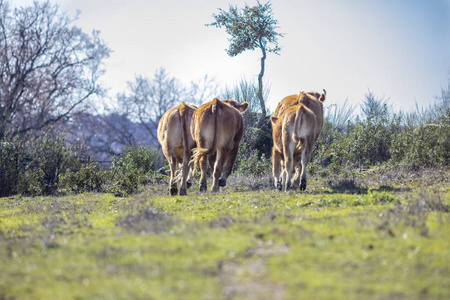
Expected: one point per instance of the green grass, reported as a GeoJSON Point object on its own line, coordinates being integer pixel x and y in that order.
{"type": "Point", "coordinates": [374, 236]}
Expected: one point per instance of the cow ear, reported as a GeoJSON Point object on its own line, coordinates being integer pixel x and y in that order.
{"type": "Point", "coordinates": [243, 107]}
{"type": "Point", "coordinates": [274, 120]}
{"type": "Point", "coordinates": [322, 98]}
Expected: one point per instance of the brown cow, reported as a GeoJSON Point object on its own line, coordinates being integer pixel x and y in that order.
{"type": "Point", "coordinates": [294, 132]}
{"type": "Point", "coordinates": [217, 129]}
{"type": "Point", "coordinates": [308, 100]}
{"type": "Point", "coordinates": [177, 143]}
{"type": "Point", "coordinates": [296, 99]}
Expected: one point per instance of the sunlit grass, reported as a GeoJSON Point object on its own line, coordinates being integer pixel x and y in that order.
{"type": "Point", "coordinates": [364, 240]}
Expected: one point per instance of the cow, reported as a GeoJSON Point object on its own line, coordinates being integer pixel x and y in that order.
{"type": "Point", "coordinates": [294, 100]}
{"type": "Point", "coordinates": [295, 129]}
{"type": "Point", "coordinates": [177, 143]}
{"type": "Point", "coordinates": [307, 99]}
{"type": "Point", "coordinates": [217, 128]}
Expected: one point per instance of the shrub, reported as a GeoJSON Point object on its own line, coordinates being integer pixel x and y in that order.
{"type": "Point", "coordinates": [32, 182]}
{"type": "Point", "coordinates": [425, 146]}
{"type": "Point", "coordinates": [363, 142]}
{"type": "Point", "coordinates": [257, 135]}
{"type": "Point", "coordinates": [253, 162]}
{"type": "Point", "coordinates": [12, 154]}
{"type": "Point", "coordinates": [36, 167]}
{"type": "Point", "coordinates": [89, 178]}
{"type": "Point", "coordinates": [47, 159]}
{"type": "Point", "coordinates": [132, 170]}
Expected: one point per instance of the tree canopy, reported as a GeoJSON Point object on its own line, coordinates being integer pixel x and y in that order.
{"type": "Point", "coordinates": [250, 28]}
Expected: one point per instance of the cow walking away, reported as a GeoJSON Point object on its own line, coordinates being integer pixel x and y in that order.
{"type": "Point", "coordinates": [177, 143]}
{"type": "Point", "coordinates": [302, 97]}
{"type": "Point", "coordinates": [217, 128]}
{"type": "Point", "coordinates": [297, 124]}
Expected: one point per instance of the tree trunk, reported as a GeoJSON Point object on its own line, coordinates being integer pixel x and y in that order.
{"type": "Point", "coordinates": [260, 85]}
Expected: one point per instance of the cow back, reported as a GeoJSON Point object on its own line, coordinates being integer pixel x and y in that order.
{"type": "Point", "coordinates": [311, 100]}
{"type": "Point", "coordinates": [173, 131]}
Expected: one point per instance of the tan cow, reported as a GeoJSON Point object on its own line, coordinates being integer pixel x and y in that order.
{"type": "Point", "coordinates": [295, 130]}
{"type": "Point", "coordinates": [177, 143]}
{"type": "Point", "coordinates": [217, 129]}
{"type": "Point", "coordinates": [292, 100]}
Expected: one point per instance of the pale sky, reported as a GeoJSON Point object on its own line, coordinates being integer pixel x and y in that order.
{"type": "Point", "coordinates": [397, 49]}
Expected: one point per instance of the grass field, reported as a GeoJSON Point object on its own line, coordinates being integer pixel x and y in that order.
{"type": "Point", "coordinates": [374, 234]}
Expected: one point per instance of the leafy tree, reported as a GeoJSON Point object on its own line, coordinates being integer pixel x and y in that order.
{"type": "Point", "coordinates": [49, 69]}
{"type": "Point", "coordinates": [250, 28]}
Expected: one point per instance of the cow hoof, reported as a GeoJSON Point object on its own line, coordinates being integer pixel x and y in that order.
{"type": "Point", "coordinates": [202, 188]}
{"type": "Point", "coordinates": [183, 192]}
{"type": "Point", "coordinates": [279, 187]}
{"type": "Point", "coordinates": [303, 185]}
{"type": "Point", "coordinates": [173, 191]}
{"type": "Point", "coordinates": [188, 184]}
{"type": "Point", "coordinates": [222, 182]}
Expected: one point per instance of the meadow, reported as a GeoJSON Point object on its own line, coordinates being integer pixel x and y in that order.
{"type": "Point", "coordinates": [380, 233]}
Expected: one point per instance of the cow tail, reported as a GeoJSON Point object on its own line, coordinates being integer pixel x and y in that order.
{"type": "Point", "coordinates": [199, 152]}
{"type": "Point", "coordinates": [183, 117]}
{"type": "Point", "coordinates": [182, 114]}
{"type": "Point", "coordinates": [297, 124]}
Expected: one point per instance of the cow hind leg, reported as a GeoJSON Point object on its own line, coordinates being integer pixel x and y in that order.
{"type": "Point", "coordinates": [218, 167]}
{"type": "Point", "coordinates": [203, 170]}
{"type": "Point", "coordinates": [306, 157]}
{"type": "Point", "coordinates": [296, 179]}
{"type": "Point", "coordinates": [276, 169]}
{"type": "Point", "coordinates": [282, 177]}
{"type": "Point", "coordinates": [173, 189]}
{"type": "Point", "coordinates": [229, 163]}
{"type": "Point", "coordinates": [288, 166]}
{"type": "Point", "coordinates": [212, 161]}
{"type": "Point", "coordinates": [189, 178]}
{"type": "Point", "coordinates": [184, 175]}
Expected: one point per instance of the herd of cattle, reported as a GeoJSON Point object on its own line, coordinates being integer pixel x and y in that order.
{"type": "Point", "coordinates": [192, 137]}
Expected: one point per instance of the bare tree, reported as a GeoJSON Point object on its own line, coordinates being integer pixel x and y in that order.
{"type": "Point", "coordinates": [49, 68]}
{"type": "Point", "coordinates": [202, 91]}
{"type": "Point", "coordinates": [148, 99]}
{"type": "Point", "coordinates": [106, 135]}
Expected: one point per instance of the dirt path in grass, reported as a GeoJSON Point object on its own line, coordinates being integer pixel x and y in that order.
{"type": "Point", "coordinates": [250, 279]}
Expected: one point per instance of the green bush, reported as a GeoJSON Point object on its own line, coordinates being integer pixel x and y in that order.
{"type": "Point", "coordinates": [89, 178]}
{"type": "Point", "coordinates": [252, 162]}
{"type": "Point", "coordinates": [32, 182]}
{"type": "Point", "coordinates": [425, 146]}
{"type": "Point", "coordinates": [257, 135]}
{"type": "Point", "coordinates": [36, 167]}
{"type": "Point", "coordinates": [48, 166]}
{"type": "Point", "coordinates": [48, 159]}
{"type": "Point", "coordinates": [367, 143]}
{"type": "Point", "coordinates": [12, 154]}
{"type": "Point", "coordinates": [132, 170]}
{"type": "Point", "coordinates": [362, 143]}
